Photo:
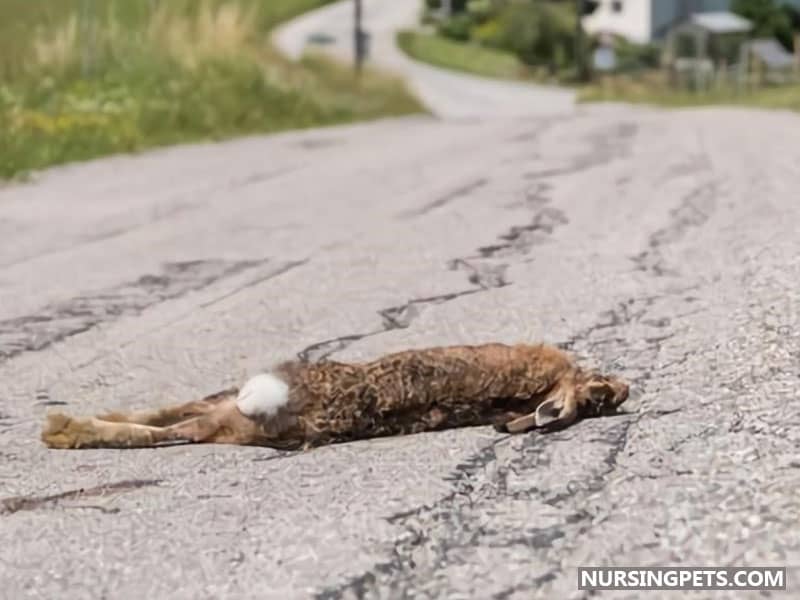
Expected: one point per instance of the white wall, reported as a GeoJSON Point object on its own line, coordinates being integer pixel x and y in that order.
{"type": "Point", "coordinates": [632, 22]}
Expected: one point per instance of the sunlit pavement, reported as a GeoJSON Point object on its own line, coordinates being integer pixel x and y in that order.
{"type": "Point", "coordinates": [659, 245]}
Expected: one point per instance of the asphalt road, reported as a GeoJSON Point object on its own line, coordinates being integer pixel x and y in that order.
{"type": "Point", "coordinates": [659, 245]}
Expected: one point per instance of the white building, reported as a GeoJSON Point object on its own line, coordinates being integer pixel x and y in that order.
{"type": "Point", "coordinates": [643, 21]}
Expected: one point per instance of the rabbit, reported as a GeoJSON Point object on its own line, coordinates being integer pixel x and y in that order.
{"type": "Point", "coordinates": [301, 405]}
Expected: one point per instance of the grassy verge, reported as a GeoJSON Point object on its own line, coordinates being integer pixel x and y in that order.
{"type": "Point", "coordinates": [653, 90]}
{"type": "Point", "coordinates": [85, 78]}
{"type": "Point", "coordinates": [459, 56]}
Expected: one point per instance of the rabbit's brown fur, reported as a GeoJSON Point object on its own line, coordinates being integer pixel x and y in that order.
{"type": "Point", "coordinates": [514, 388]}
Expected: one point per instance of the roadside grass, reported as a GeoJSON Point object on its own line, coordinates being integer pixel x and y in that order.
{"type": "Point", "coordinates": [85, 78]}
{"type": "Point", "coordinates": [652, 89]}
{"type": "Point", "coordinates": [460, 56]}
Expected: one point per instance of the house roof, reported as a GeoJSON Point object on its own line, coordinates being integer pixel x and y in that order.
{"type": "Point", "coordinates": [771, 53]}
{"type": "Point", "coordinates": [721, 22]}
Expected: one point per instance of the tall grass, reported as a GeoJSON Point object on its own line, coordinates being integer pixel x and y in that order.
{"type": "Point", "coordinates": [84, 78]}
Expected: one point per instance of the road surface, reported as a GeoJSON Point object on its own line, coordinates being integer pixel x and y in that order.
{"type": "Point", "coordinates": [447, 94]}
{"type": "Point", "coordinates": [660, 245]}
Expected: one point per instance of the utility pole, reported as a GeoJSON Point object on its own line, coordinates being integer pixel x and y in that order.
{"type": "Point", "coordinates": [447, 8]}
{"type": "Point", "coordinates": [796, 55]}
{"type": "Point", "coordinates": [358, 37]}
{"type": "Point", "coordinates": [580, 42]}
{"type": "Point", "coordinates": [583, 8]}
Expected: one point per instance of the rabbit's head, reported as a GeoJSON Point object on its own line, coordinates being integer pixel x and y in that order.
{"type": "Point", "coordinates": [599, 394]}
{"type": "Point", "coordinates": [583, 395]}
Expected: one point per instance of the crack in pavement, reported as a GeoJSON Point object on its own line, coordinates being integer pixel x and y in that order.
{"type": "Point", "coordinates": [63, 320]}
{"type": "Point", "coordinates": [536, 196]}
{"type": "Point", "coordinates": [402, 561]}
{"type": "Point", "coordinates": [460, 192]}
{"type": "Point", "coordinates": [604, 148]}
{"type": "Point", "coordinates": [431, 533]}
{"type": "Point", "coordinates": [401, 317]}
{"type": "Point", "coordinates": [694, 211]}
{"type": "Point", "coordinates": [322, 350]}
{"type": "Point", "coordinates": [14, 504]}
{"type": "Point", "coordinates": [521, 238]}
{"type": "Point", "coordinates": [285, 268]}
{"type": "Point", "coordinates": [484, 275]}
{"type": "Point", "coordinates": [480, 272]}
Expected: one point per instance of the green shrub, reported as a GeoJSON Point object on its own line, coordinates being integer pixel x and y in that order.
{"type": "Point", "coordinates": [635, 57]}
{"type": "Point", "coordinates": [488, 33]}
{"type": "Point", "coordinates": [537, 34]}
{"type": "Point", "coordinates": [769, 19]}
{"type": "Point", "coordinates": [456, 5]}
{"type": "Point", "coordinates": [458, 27]}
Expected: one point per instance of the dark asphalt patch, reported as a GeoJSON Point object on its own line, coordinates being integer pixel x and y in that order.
{"type": "Point", "coordinates": [62, 320]}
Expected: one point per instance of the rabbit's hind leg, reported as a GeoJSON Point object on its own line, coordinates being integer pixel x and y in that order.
{"type": "Point", "coordinates": [163, 417]}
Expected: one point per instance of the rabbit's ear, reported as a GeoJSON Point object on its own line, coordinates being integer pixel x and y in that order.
{"type": "Point", "coordinates": [547, 413]}
{"type": "Point", "coordinates": [557, 411]}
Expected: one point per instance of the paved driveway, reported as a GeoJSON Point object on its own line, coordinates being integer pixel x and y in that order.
{"type": "Point", "coordinates": [447, 94]}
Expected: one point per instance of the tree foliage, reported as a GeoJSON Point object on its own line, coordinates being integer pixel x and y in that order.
{"type": "Point", "coordinates": [539, 32]}
{"type": "Point", "coordinates": [770, 19]}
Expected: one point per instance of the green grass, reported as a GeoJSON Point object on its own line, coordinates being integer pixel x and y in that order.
{"type": "Point", "coordinates": [653, 90]}
{"type": "Point", "coordinates": [459, 56]}
{"type": "Point", "coordinates": [86, 78]}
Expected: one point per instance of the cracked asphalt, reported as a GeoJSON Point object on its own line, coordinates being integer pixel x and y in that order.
{"type": "Point", "coordinates": [659, 245]}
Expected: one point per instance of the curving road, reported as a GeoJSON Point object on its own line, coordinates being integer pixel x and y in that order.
{"type": "Point", "coordinates": [446, 94]}
{"type": "Point", "coordinates": [661, 245]}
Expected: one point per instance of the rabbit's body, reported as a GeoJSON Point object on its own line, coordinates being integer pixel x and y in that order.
{"type": "Point", "coordinates": [310, 404]}
{"type": "Point", "coordinates": [414, 391]}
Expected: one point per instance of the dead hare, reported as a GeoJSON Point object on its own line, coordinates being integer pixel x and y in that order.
{"type": "Point", "coordinates": [303, 405]}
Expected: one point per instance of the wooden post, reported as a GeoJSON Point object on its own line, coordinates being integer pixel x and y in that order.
{"type": "Point", "coordinates": [447, 8]}
{"type": "Point", "coordinates": [581, 61]}
{"type": "Point", "coordinates": [797, 55]}
{"type": "Point", "coordinates": [358, 36]}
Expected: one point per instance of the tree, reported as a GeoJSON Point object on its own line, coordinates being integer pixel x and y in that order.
{"type": "Point", "coordinates": [770, 19]}
{"type": "Point", "coordinates": [538, 34]}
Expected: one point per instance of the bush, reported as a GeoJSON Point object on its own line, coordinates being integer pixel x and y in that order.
{"type": "Point", "coordinates": [458, 27]}
{"type": "Point", "coordinates": [537, 34]}
{"type": "Point", "coordinates": [540, 33]}
{"type": "Point", "coordinates": [635, 57]}
{"type": "Point", "coordinates": [769, 19]}
{"type": "Point", "coordinates": [488, 33]}
{"type": "Point", "coordinates": [457, 5]}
